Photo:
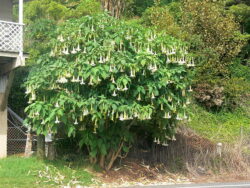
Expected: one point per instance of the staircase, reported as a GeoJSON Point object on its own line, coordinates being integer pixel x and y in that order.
{"type": "Point", "coordinates": [17, 134]}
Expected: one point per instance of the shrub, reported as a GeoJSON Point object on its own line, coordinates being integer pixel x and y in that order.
{"type": "Point", "coordinates": [162, 19]}
{"type": "Point", "coordinates": [209, 96]}
{"type": "Point", "coordinates": [103, 77]}
{"type": "Point", "coordinates": [85, 7]}
{"type": "Point", "coordinates": [220, 34]}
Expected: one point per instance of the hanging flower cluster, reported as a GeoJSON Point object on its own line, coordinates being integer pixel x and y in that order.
{"type": "Point", "coordinates": [100, 69]}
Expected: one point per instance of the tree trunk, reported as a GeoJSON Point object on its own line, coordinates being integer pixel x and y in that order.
{"type": "Point", "coordinates": [114, 156]}
{"type": "Point", "coordinates": [114, 7]}
{"type": "Point", "coordinates": [102, 161]}
{"type": "Point", "coordinates": [28, 147]}
{"type": "Point", "coordinates": [51, 151]}
{"type": "Point", "coordinates": [41, 146]}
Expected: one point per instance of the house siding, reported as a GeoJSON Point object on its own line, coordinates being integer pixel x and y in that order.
{"type": "Point", "coordinates": [6, 10]}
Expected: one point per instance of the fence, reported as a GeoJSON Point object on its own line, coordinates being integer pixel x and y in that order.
{"type": "Point", "coordinates": [11, 37]}
{"type": "Point", "coordinates": [17, 135]}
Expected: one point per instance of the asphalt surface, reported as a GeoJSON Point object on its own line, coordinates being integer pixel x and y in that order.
{"type": "Point", "coordinates": [206, 185]}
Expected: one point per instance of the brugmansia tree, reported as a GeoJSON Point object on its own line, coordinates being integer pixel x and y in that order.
{"type": "Point", "coordinates": [104, 76]}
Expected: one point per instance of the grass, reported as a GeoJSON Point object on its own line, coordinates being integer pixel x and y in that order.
{"type": "Point", "coordinates": [19, 172]}
{"type": "Point", "coordinates": [222, 126]}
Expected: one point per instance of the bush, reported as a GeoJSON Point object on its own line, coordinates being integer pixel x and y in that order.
{"type": "Point", "coordinates": [162, 19]}
{"type": "Point", "coordinates": [240, 71]}
{"type": "Point", "coordinates": [236, 89]}
{"type": "Point", "coordinates": [139, 6]}
{"type": "Point", "coordinates": [103, 77]}
{"type": "Point", "coordinates": [85, 7]}
{"type": "Point", "coordinates": [210, 96]}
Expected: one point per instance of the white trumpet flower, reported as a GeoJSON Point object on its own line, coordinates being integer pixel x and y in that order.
{"type": "Point", "coordinates": [125, 88]}
{"type": "Point", "coordinates": [121, 118]}
{"type": "Point", "coordinates": [74, 51]}
{"type": "Point", "coordinates": [173, 138]}
{"type": "Point", "coordinates": [52, 53]}
{"type": "Point", "coordinates": [155, 140]}
{"type": "Point", "coordinates": [114, 94]}
{"type": "Point", "coordinates": [152, 96]}
{"type": "Point", "coordinates": [185, 116]}
{"type": "Point", "coordinates": [113, 79]}
{"type": "Point", "coordinates": [192, 63]}
{"type": "Point", "coordinates": [85, 112]}
{"type": "Point", "coordinates": [168, 60]}
{"type": "Point", "coordinates": [61, 39]}
{"type": "Point", "coordinates": [78, 79]}
{"type": "Point", "coordinates": [92, 63]}
{"type": "Point", "coordinates": [91, 81]}
{"type": "Point", "coordinates": [76, 122]}
{"type": "Point", "coordinates": [101, 60]}
{"type": "Point", "coordinates": [139, 97]}
{"type": "Point", "coordinates": [161, 106]}
{"type": "Point", "coordinates": [65, 51]}
{"type": "Point", "coordinates": [158, 141]}
{"type": "Point", "coordinates": [165, 144]}
{"type": "Point", "coordinates": [154, 68]}
{"type": "Point", "coordinates": [110, 69]}
{"type": "Point", "coordinates": [57, 105]}
{"type": "Point", "coordinates": [132, 75]}
{"type": "Point", "coordinates": [28, 90]}
{"type": "Point", "coordinates": [78, 48]}
{"type": "Point", "coordinates": [122, 70]}
{"type": "Point", "coordinates": [62, 80]}
{"type": "Point", "coordinates": [167, 115]}
{"type": "Point", "coordinates": [33, 96]}
{"type": "Point", "coordinates": [178, 118]}
{"type": "Point", "coordinates": [167, 137]}
{"type": "Point", "coordinates": [82, 82]}
{"type": "Point", "coordinates": [190, 89]}
{"type": "Point", "coordinates": [73, 79]}
{"type": "Point", "coordinates": [57, 121]}
{"type": "Point", "coordinates": [181, 61]}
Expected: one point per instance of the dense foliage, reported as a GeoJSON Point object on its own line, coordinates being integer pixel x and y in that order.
{"type": "Point", "coordinates": [105, 82]}
{"type": "Point", "coordinates": [216, 40]}
{"type": "Point", "coordinates": [102, 77]}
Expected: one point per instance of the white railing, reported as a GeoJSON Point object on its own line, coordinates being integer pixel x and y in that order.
{"type": "Point", "coordinates": [11, 37]}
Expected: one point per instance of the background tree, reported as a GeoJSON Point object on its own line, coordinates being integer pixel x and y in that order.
{"type": "Point", "coordinates": [115, 7]}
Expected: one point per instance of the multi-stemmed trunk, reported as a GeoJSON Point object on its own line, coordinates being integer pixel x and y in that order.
{"type": "Point", "coordinates": [41, 146]}
{"type": "Point", "coordinates": [114, 7]}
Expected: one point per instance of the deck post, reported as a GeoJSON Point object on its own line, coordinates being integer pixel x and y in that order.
{"type": "Point", "coordinates": [21, 22]}
{"type": "Point", "coordinates": [5, 84]}
{"type": "Point", "coordinates": [3, 132]}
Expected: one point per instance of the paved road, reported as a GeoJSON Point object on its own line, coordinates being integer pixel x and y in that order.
{"type": "Point", "coordinates": [207, 185]}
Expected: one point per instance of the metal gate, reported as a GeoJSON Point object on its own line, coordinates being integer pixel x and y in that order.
{"type": "Point", "coordinates": [17, 134]}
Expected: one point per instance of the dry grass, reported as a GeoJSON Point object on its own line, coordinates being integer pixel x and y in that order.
{"type": "Point", "coordinates": [210, 158]}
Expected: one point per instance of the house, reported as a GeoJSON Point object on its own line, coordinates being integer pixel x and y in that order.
{"type": "Point", "coordinates": [11, 56]}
